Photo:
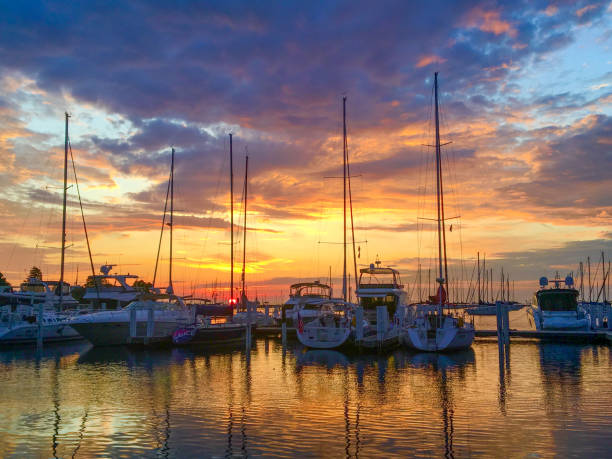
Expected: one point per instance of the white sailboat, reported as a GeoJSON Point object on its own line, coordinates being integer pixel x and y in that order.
{"type": "Point", "coordinates": [433, 328]}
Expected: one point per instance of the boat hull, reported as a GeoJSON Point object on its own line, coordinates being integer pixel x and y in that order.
{"type": "Point", "coordinates": [217, 335]}
{"type": "Point", "coordinates": [445, 339]}
{"type": "Point", "coordinates": [323, 337]}
{"type": "Point", "coordinates": [28, 334]}
{"type": "Point", "coordinates": [118, 333]}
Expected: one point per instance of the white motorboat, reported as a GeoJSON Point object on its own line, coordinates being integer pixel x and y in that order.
{"type": "Point", "coordinates": [127, 325]}
{"type": "Point", "coordinates": [35, 291]}
{"type": "Point", "coordinates": [380, 286]}
{"type": "Point", "coordinates": [330, 329]}
{"type": "Point", "coordinates": [557, 308]}
{"type": "Point", "coordinates": [307, 299]}
{"type": "Point", "coordinates": [111, 291]}
{"type": "Point", "coordinates": [436, 326]}
{"type": "Point", "coordinates": [19, 325]}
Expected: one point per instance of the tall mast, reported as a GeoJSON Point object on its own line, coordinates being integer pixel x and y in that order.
{"type": "Point", "coordinates": [348, 173]}
{"type": "Point", "coordinates": [231, 221]}
{"type": "Point", "coordinates": [440, 279]}
{"type": "Point", "coordinates": [244, 231]}
{"type": "Point", "coordinates": [171, 223]}
{"type": "Point", "coordinates": [61, 281]}
{"type": "Point", "coordinates": [590, 285]}
{"type": "Point", "coordinates": [344, 286]}
{"type": "Point", "coordinates": [478, 277]}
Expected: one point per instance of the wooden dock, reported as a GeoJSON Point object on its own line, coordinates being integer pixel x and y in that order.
{"type": "Point", "coordinates": [591, 336]}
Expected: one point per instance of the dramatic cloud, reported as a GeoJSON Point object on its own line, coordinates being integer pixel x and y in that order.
{"type": "Point", "coordinates": [525, 100]}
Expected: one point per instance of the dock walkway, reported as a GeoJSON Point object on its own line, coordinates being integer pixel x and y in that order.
{"type": "Point", "coordinates": [595, 336]}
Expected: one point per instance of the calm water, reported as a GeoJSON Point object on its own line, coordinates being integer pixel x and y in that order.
{"type": "Point", "coordinates": [554, 400]}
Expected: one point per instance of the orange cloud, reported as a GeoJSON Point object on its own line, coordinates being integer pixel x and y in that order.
{"type": "Point", "coordinates": [489, 21]}
{"type": "Point", "coordinates": [424, 61]}
{"type": "Point", "coordinates": [585, 9]}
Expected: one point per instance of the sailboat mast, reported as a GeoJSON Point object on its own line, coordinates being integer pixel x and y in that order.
{"type": "Point", "coordinates": [478, 277]}
{"type": "Point", "coordinates": [438, 192]}
{"type": "Point", "coordinates": [171, 223]}
{"type": "Point", "coordinates": [244, 231]}
{"type": "Point", "coordinates": [61, 281]}
{"type": "Point", "coordinates": [350, 194]}
{"type": "Point", "coordinates": [231, 221]}
{"type": "Point", "coordinates": [344, 286]}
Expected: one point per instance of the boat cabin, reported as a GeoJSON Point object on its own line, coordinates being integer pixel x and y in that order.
{"type": "Point", "coordinates": [380, 286]}
{"type": "Point", "coordinates": [310, 290]}
{"type": "Point", "coordinates": [556, 298]}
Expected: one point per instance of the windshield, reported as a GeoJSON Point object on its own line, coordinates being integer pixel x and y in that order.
{"type": "Point", "coordinates": [558, 301]}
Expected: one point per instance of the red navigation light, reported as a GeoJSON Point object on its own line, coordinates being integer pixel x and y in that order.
{"type": "Point", "coordinates": [233, 301]}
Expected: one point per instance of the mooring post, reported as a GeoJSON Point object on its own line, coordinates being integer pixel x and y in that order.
{"type": "Point", "coordinates": [506, 317]}
{"type": "Point", "coordinates": [358, 325]}
{"type": "Point", "coordinates": [132, 322]}
{"type": "Point", "coordinates": [150, 323]}
{"type": "Point", "coordinates": [39, 338]}
{"type": "Point", "coordinates": [500, 324]}
{"type": "Point", "coordinates": [248, 325]}
{"type": "Point", "coordinates": [284, 325]}
{"type": "Point", "coordinates": [381, 328]}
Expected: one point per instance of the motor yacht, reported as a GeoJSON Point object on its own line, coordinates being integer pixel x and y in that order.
{"type": "Point", "coordinates": [557, 308]}
{"type": "Point", "coordinates": [166, 313]}
{"type": "Point", "coordinates": [19, 324]}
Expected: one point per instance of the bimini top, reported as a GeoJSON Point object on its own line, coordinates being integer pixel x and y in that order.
{"type": "Point", "coordinates": [310, 289]}
{"type": "Point", "coordinates": [376, 276]}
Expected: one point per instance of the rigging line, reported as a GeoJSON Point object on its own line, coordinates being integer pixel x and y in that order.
{"type": "Point", "coordinates": [161, 234]}
{"type": "Point", "coordinates": [76, 181]}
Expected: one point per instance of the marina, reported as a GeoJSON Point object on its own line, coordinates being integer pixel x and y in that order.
{"type": "Point", "coordinates": [305, 229]}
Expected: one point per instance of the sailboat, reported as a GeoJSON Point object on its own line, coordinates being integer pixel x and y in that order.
{"type": "Point", "coordinates": [331, 327]}
{"type": "Point", "coordinates": [153, 317]}
{"type": "Point", "coordinates": [203, 331]}
{"type": "Point", "coordinates": [433, 328]}
{"type": "Point", "coordinates": [35, 313]}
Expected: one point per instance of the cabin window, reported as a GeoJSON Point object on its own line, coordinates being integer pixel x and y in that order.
{"type": "Point", "coordinates": [558, 301]}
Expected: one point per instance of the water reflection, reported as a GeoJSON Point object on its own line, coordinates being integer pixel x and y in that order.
{"type": "Point", "coordinates": [265, 402]}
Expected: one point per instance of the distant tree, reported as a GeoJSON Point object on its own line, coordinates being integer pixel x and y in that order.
{"type": "Point", "coordinates": [35, 273]}
{"type": "Point", "coordinates": [77, 292]}
{"type": "Point", "coordinates": [100, 281]}
{"type": "Point", "coordinates": [143, 286]}
{"type": "Point", "coordinates": [3, 281]}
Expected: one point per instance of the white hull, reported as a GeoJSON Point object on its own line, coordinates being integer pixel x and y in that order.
{"type": "Point", "coordinates": [112, 328]}
{"type": "Point", "coordinates": [118, 333]}
{"type": "Point", "coordinates": [559, 321]}
{"type": "Point", "coordinates": [323, 337]}
{"type": "Point", "coordinates": [444, 339]}
{"type": "Point", "coordinates": [28, 333]}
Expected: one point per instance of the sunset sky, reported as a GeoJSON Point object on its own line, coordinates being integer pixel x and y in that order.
{"type": "Point", "coordinates": [526, 97]}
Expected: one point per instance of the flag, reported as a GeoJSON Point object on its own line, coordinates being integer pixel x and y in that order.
{"type": "Point", "coordinates": [300, 323]}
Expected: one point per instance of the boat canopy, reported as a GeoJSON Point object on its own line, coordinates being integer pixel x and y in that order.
{"type": "Point", "coordinates": [557, 299]}
{"type": "Point", "coordinates": [378, 277]}
{"type": "Point", "coordinates": [310, 289]}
